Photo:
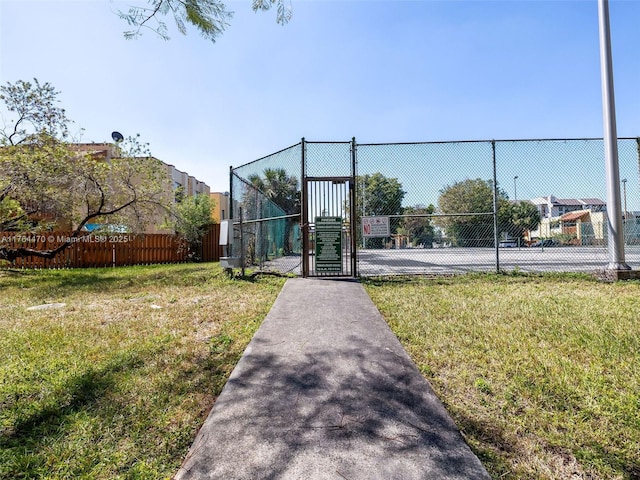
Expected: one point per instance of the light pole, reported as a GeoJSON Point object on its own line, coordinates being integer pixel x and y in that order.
{"type": "Point", "coordinates": [612, 169]}
{"type": "Point", "coordinates": [515, 189]}
{"type": "Point", "coordinates": [615, 235]}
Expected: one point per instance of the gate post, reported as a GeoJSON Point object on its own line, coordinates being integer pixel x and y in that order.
{"type": "Point", "coordinates": [230, 192]}
{"type": "Point", "coordinates": [304, 213]}
{"type": "Point", "coordinates": [352, 214]}
{"type": "Point", "coordinates": [495, 206]}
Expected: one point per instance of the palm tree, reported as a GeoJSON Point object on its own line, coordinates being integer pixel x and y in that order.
{"type": "Point", "coordinates": [279, 187]}
{"type": "Point", "coordinates": [282, 190]}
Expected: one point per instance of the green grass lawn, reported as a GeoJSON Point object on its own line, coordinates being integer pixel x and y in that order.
{"type": "Point", "coordinates": [541, 374]}
{"type": "Point", "coordinates": [116, 383]}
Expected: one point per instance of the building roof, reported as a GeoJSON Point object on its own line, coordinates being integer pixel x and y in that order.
{"type": "Point", "coordinates": [573, 202]}
{"type": "Point", "coordinates": [576, 215]}
{"type": "Point", "coordinates": [568, 201]}
{"type": "Point", "coordinates": [592, 201]}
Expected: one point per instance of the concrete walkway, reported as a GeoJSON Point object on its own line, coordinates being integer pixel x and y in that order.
{"type": "Point", "coordinates": [325, 391]}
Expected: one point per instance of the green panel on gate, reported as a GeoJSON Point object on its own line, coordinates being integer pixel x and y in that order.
{"type": "Point", "coordinates": [328, 244]}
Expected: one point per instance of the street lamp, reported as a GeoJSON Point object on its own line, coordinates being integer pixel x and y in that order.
{"type": "Point", "coordinates": [615, 232]}
{"type": "Point", "coordinates": [515, 189]}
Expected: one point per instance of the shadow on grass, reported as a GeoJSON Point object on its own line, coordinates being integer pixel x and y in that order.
{"type": "Point", "coordinates": [26, 448]}
{"type": "Point", "coordinates": [489, 443]}
{"type": "Point", "coordinates": [108, 279]}
{"type": "Point", "coordinates": [499, 453]}
{"type": "Point", "coordinates": [80, 392]}
{"type": "Point", "coordinates": [63, 280]}
{"type": "Point", "coordinates": [629, 467]}
{"type": "Point", "coordinates": [30, 446]}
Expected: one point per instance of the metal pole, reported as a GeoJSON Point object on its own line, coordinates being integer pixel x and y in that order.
{"type": "Point", "coordinates": [228, 249]}
{"type": "Point", "coordinates": [364, 199]}
{"type": "Point", "coordinates": [304, 213]}
{"type": "Point", "coordinates": [495, 206]}
{"type": "Point", "coordinates": [230, 192]}
{"type": "Point", "coordinates": [352, 213]}
{"type": "Point", "coordinates": [615, 226]}
{"type": "Point", "coordinates": [242, 256]}
{"type": "Point", "coordinates": [515, 189]}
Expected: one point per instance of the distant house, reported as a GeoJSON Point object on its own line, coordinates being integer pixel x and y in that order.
{"type": "Point", "coordinates": [551, 206]}
{"type": "Point", "coordinates": [585, 226]}
{"type": "Point", "coordinates": [581, 219]}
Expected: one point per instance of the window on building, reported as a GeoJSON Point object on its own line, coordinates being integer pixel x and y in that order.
{"type": "Point", "coordinates": [178, 192]}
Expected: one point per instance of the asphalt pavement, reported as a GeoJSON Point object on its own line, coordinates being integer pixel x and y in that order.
{"type": "Point", "coordinates": [325, 391]}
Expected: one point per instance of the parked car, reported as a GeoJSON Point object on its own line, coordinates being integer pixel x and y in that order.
{"type": "Point", "coordinates": [508, 244]}
{"type": "Point", "coordinates": [547, 242]}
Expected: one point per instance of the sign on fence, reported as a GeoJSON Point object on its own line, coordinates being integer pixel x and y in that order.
{"type": "Point", "coordinates": [375, 226]}
{"type": "Point", "coordinates": [328, 244]}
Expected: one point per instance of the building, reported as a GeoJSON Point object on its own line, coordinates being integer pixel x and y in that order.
{"type": "Point", "coordinates": [551, 206]}
{"type": "Point", "coordinates": [220, 208]}
{"type": "Point", "coordinates": [178, 181]}
{"type": "Point", "coordinates": [580, 221]}
{"type": "Point", "coordinates": [187, 184]}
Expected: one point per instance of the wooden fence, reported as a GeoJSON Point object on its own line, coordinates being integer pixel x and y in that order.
{"type": "Point", "coordinates": [211, 249]}
{"type": "Point", "coordinates": [110, 250]}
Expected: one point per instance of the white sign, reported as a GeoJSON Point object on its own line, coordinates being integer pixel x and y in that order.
{"type": "Point", "coordinates": [375, 226]}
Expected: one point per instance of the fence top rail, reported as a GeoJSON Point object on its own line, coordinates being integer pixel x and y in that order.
{"type": "Point", "coordinates": [513, 140]}
{"type": "Point", "coordinates": [438, 142]}
{"type": "Point", "coordinates": [266, 156]}
{"type": "Point", "coordinates": [328, 179]}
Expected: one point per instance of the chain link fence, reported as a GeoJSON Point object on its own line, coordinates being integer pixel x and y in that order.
{"type": "Point", "coordinates": [265, 206]}
{"type": "Point", "coordinates": [450, 207]}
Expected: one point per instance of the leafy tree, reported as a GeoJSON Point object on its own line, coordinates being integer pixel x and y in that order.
{"type": "Point", "coordinates": [418, 228]}
{"type": "Point", "coordinates": [378, 195]}
{"type": "Point", "coordinates": [12, 215]}
{"type": "Point", "coordinates": [192, 219]}
{"type": "Point", "coordinates": [33, 113]}
{"type": "Point", "coordinates": [45, 181]}
{"type": "Point", "coordinates": [476, 196]}
{"type": "Point", "coordinates": [279, 187]}
{"type": "Point", "coordinates": [282, 190]}
{"type": "Point", "coordinates": [520, 217]}
{"type": "Point", "coordinates": [209, 17]}
{"type": "Point", "coordinates": [32, 166]}
{"type": "Point", "coordinates": [470, 197]}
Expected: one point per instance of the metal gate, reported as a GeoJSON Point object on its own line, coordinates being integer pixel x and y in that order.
{"type": "Point", "coordinates": [328, 231]}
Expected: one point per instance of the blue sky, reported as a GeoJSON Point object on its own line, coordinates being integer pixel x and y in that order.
{"type": "Point", "coordinates": [382, 71]}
